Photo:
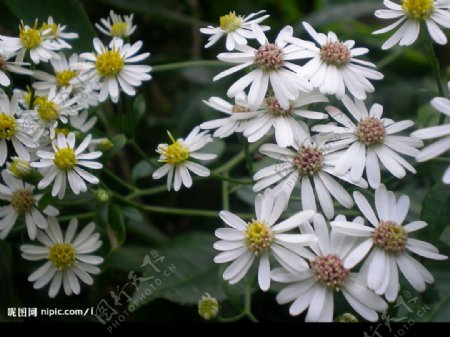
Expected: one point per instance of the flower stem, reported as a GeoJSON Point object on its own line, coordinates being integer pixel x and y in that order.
{"type": "Point", "coordinates": [225, 195]}
{"type": "Point", "coordinates": [234, 161]}
{"type": "Point", "coordinates": [119, 180]}
{"type": "Point", "coordinates": [188, 64]}
{"type": "Point", "coordinates": [435, 65]}
{"type": "Point", "coordinates": [231, 319]}
{"type": "Point", "coordinates": [232, 180]}
{"type": "Point", "coordinates": [87, 215]}
{"type": "Point", "coordinates": [248, 302]}
{"type": "Point", "coordinates": [153, 162]}
{"type": "Point", "coordinates": [174, 211]}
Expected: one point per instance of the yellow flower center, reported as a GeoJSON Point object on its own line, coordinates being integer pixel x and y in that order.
{"type": "Point", "coordinates": [53, 28]}
{"type": "Point", "coordinates": [390, 237]}
{"type": "Point", "coordinates": [176, 153]}
{"type": "Point", "coordinates": [119, 29]}
{"type": "Point", "coordinates": [230, 22]}
{"type": "Point", "coordinates": [47, 110]}
{"type": "Point", "coordinates": [22, 200]}
{"type": "Point", "coordinates": [63, 77]}
{"type": "Point", "coordinates": [258, 237]}
{"type": "Point", "coordinates": [65, 159]}
{"type": "Point", "coordinates": [7, 126]}
{"type": "Point", "coordinates": [110, 63]}
{"type": "Point", "coordinates": [30, 37]}
{"type": "Point", "coordinates": [418, 9]}
{"type": "Point", "coordinates": [62, 255]}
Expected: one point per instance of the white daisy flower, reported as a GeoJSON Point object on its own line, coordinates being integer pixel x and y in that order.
{"type": "Point", "coordinates": [65, 162]}
{"type": "Point", "coordinates": [49, 110]}
{"type": "Point", "coordinates": [390, 242]}
{"type": "Point", "coordinates": [260, 238]}
{"type": "Point", "coordinates": [271, 64]}
{"type": "Point", "coordinates": [69, 257]}
{"type": "Point", "coordinates": [11, 130]}
{"type": "Point", "coordinates": [32, 40]}
{"type": "Point", "coordinates": [372, 140]}
{"type": "Point", "coordinates": [7, 66]}
{"type": "Point", "coordinates": [287, 127]}
{"type": "Point", "coordinates": [65, 76]}
{"type": "Point", "coordinates": [117, 25]}
{"type": "Point", "coordinates": [176, 158]}
{"type": "Point", "coordinates": [442, 131]}
{"type": "Point", "coordinates": [21, 202]}
{"type": "Point", "coordinates": [111, 66]}
{"type": "Point", "coordinates": [314, 289]}
{"type": "Point", "coordinates": [228, 125]}
{"type": "Point", "coordinates": [410, 14]}
{"type": "Point", "coordinates": [237, 28]}
{"type": "Point", "coordinates": [334, 67]}
{"type": "Point", "coordinates": [312, 160]}
{"type": "Point", "coordinates": [55, 33]}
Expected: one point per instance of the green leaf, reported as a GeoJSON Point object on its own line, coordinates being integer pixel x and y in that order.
{"type": "Point", "coordinates": [132, 213]}
{"type": "Point", "coordinates": [116, 227]}
{"type": "Point", "coordinates": [141, 170]}
{"type": "Point", "coordinates": [139, 107]}
{"type": "Point", "coordinates": [187, 272]}
{"type": "Point", "coordinates": [435, 210]}
{"type": "Point", "coordinates": [69, 12]}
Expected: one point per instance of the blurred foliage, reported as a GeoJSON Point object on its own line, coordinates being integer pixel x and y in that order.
{"type": "Point", "coordinates": [173, 100]}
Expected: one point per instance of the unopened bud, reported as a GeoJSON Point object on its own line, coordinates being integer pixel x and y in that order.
{"type": "Point", "coordinates": [19, 168]}
{"type": "Point", "coordinates": [102, 195]}
{"type": "Point", "coordinates": [208, 307]}
{"type": "Point", "coordinates": [346, 318]}
{"type": "Point", "coordinates": [105, 145]}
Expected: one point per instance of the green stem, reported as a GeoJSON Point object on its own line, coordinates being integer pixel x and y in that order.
{"type": "Point", "coordinates": [247, 152]}
{"type": "Point", "coordinates": [119, 180]}
{"type": "Point", "coordinates": [248, 302]}
{"type": "Point", "coordinates": [232, 180]}
{"type": "Point", "coordinates": [436, 66]}
{"type": "Point", "coordinates": [175, 211]}
{"type": "Point", "coordinates": [231, 319]}
{"type": "Point", "coordinates": [225, 195]}
{"type": "Point", "coordinates": [436, 72]}
{"type": "Point", "coordinates": [148, 191]}
{"type": "Point", "coordinates": [153, 162]}
{"type": "Point", "coordinates": [389, 59]}
{"type": "Point", "coordinates": [234, 161]}
{"type": "Point", "coordinates": [87, 215]}
{"type": "Point", "coordinates": [187, 64]}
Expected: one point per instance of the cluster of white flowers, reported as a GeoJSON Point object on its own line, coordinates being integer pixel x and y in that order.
{"type": "Point", "coordinates": [281, 80]}
{"type": "Point", "coordinates": [39, 131]}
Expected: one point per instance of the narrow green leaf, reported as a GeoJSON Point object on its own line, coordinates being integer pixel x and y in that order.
{"type": "Point", "coordinates": [435, 210]}
{"type": "Point", "coordinates": [116, 227]}
{"type": "Point", "coordinates": [141, 170]}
